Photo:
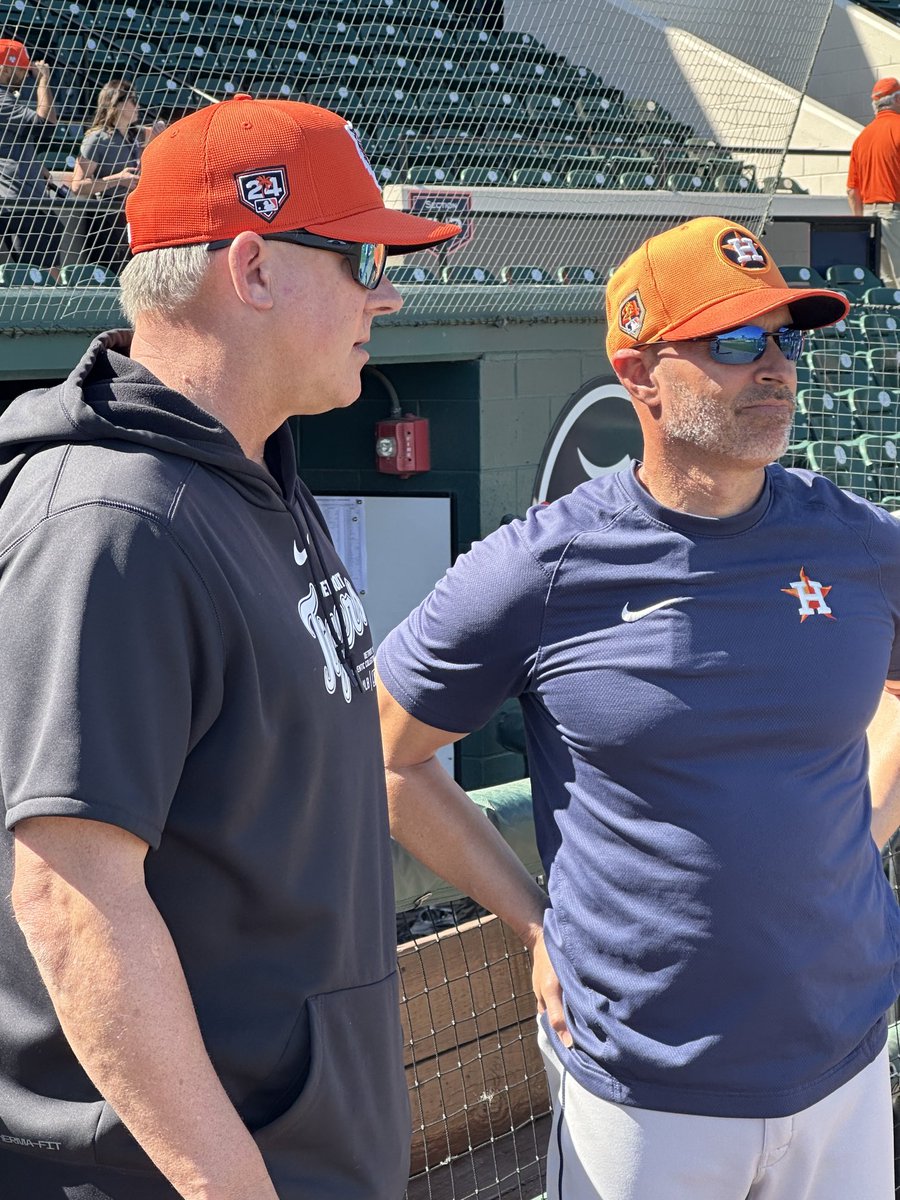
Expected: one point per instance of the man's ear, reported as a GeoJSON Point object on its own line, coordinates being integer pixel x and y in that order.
{"type": "Point", "coordinates": [250, 265]}
{"type": "Point", "coordinates": [635, 369]}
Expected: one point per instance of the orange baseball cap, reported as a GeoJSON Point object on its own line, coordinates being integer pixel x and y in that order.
{"type": "Point", "coordinates": [884, 88]}
{"type": "Point", "coordinates": [701, 278]}
{"type": "Point", "coordinates": [13, 54]}
{"type": "Point", "coordinates": [266, 166]}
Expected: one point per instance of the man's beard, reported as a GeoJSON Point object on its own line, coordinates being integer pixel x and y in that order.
{"type": "Point", "coordinates": [707, 422]}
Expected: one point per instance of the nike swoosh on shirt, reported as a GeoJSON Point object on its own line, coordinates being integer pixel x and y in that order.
{"type": "Point", "coordinates": [636, 614]}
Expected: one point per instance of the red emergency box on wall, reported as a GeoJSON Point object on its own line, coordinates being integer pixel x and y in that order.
{"type": "Point", "coordinates": [402, 445]}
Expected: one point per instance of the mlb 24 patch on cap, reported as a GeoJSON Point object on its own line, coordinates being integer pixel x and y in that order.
{"type": "Point", "coordinates": [263, 192]}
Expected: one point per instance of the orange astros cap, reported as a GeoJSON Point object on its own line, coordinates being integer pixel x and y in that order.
{"type": "Point", "coordinates": [701, 278]}
{"type": "Point", "coordinates": [13, 54]}
{"type": "Point", "coordinates": [266, 166]}
{"type": "Point", "coordinates": [884, 88]}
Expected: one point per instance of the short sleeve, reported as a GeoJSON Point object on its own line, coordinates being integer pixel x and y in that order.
{"type": "Point", "coordinates": [884, 545]}
{"type": "Point", "coordinates": [472, 643]}
{"type": "Point", "coordinates": [91, 148]}
{"type": "Point", "coordinates": [23, 116]}
{"type": "Point", "coordinates": [853, 172]}
{"type": "Point", "coordinates": [111, 668]}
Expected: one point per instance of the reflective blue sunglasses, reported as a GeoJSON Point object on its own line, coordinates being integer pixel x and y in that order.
{"type": "Point", "coordinates": [747, 344]}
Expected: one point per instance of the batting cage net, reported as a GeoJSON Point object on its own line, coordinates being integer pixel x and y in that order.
{"type": "Point", "coordinates": [558, 135]}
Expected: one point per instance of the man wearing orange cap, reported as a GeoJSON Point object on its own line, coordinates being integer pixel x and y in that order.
{"type": "Point", "coordinates": [198, 992]}
{"type": "Point", "coordinates": [699, 643]}
{"type": "Point", "coordinates": [30, 234]}
{"type": "Point", "coordinates": [873, 179]}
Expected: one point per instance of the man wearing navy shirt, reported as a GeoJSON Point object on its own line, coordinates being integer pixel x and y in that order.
{"type": "Point", "coordinates": [700, 644]}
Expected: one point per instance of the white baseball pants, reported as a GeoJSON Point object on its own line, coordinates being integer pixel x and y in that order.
{"type": "Point", "coordinates": [838, 1149]}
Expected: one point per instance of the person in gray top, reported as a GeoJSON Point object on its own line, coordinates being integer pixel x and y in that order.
{"type": "Point", "coordinates": [28, 233]}
{"type": "Point", "coordinates": [198, 974]}
{"type": "Point", "coordinates": [107, 169]}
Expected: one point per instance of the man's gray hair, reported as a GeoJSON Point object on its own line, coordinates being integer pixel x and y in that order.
{"type": "Point", "coordinates": [162, 281]}
{"type": "Point", "coordinates": [885, 101]}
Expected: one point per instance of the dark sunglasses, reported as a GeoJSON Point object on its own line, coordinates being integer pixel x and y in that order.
{"type": "Point", "coordinates": [747, 344]}
{"type": "Point", "coordinates": [367, 259]}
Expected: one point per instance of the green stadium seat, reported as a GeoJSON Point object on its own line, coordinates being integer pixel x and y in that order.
{"type": "Point", "coordinates": [588, 179]}
{"type": "Point", "coordinates": [525, 274]}
{"type": "Point", "coordinates": [881, 297]}
{"type": "Point", "coordinates": [552, 108]}
{"type": "Point", "coordinates": [87, 275]}
{"type": "Point", "coordinates": [24, 275]}
{"type": "Point", "coordinates": [470, 274]}
{"type": "Point", "coordinates": [436, 176]}
{"type": "Point", "coordinates": [884, 326]}
{"type": "Point", "coordinates": [803, 277]}
{"type": "Point", "coordinates": [684, 181]}
{"type": "Point", "coordinates": [162, 93]}
{"type": "Point", "coordinates": [528, 177]}
{"type": "Point", "coordinates": [189, 56]}
{"type": "Point", "coordinates": [783, 183]}
{"type": "Point", "coordinates": [634, 181]}
{"type": "Point", "coordinates": [873, 408]}
{"type": "Point", "coordinates": [734, 183]}
{"type": "Point", "coordinates": [884, 364]}
{"type": "Point", "coordinates": [579, 274]}
{"type": "Point", "coordinates": [837, 369]}
{"type": "Point", "coordinates": [483, 177]}
{"type": "Point", "coordinates": [852, 278]}
{"type": "Point", "coordinates": [406, 275]}
{"type": "Point", "coordinates": [822, 415]}
{"type": "Point", "coordinates": [843, 462]}
{"type": "Point", "coordinates": [879, 452]}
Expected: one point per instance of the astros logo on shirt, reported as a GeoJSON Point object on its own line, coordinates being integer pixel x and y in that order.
{"type": "Point", "coordinates": [811, 596]}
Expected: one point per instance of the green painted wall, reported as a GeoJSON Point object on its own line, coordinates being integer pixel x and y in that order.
{"type": "Point", "coordinates": [491, 392]}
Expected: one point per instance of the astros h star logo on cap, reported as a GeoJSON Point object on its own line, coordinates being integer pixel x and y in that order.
{"type": "Point", "coordinates": [263, 192]}
{"type": "Point", "coordinates": [739, 249]}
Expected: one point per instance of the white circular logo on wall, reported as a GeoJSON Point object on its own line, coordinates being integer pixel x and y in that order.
{"type": "Point", "coordinates": [597, 433]}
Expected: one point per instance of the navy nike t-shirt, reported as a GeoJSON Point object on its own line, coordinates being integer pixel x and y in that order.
{"type": "Point", "coordinates": [696, 694]}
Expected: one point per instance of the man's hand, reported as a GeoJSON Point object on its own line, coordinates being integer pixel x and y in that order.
{"type": "Point", "coordinates": [547, 988]}
{"type": "Point", "coordinates": [40, 69]}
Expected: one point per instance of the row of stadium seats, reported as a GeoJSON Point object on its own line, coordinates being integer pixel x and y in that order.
{"type": "Point", "coordinates": [866, 465]}
{"type": "Point", "coordinates": [93, 275]}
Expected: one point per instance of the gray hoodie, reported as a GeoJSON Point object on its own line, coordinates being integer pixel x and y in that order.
{"type": "Point", "coordinates": [182, 655]}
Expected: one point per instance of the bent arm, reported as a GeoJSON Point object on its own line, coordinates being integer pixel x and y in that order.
{"type": "Point", "coordinates": [884, 765]}
{"type": "Point", "coordinates": [115, 980]}
{"type": "Point", "coordinates": [434, 819]}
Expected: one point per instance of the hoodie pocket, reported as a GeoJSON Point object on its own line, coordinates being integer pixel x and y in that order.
{"type": "Point", "coordinates": [346, 1135]}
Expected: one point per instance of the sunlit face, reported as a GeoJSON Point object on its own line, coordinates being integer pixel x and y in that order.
{"type": "Point", "coordinates": [129, 111]}
{"type": "Point", "coordinates": [717, 410]}
{"type": "Point", "coordinates": [325, 320]}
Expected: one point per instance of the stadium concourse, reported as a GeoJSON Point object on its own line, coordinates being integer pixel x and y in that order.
{"type": "Point", "coordinates": [560, 136]}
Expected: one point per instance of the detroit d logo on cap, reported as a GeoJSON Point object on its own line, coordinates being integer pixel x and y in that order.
{"type": "Point", "coordinates": [263, 192]}
{"type": "Point", "coordinates": [739, 249]}
{"type": "Point", "coordinates": [631, 315]}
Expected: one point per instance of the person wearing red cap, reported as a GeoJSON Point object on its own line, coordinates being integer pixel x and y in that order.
{"type": "Point", "coordinates": [698, 642]}
{"type": "Point", "coordinates": [198, 989]}
{"type": "Point", "coordinates": [29, 233]}
{"type": "Point", "coordinates": [873, 178]}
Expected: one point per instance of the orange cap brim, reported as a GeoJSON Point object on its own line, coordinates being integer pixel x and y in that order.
{"type": "Point", "coordinates": [401, 232]}
{"type": "Point", "coordinates": [811, 308]}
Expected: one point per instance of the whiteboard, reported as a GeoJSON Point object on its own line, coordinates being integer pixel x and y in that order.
{"type": "Point", "coordinates": [407, 550]}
